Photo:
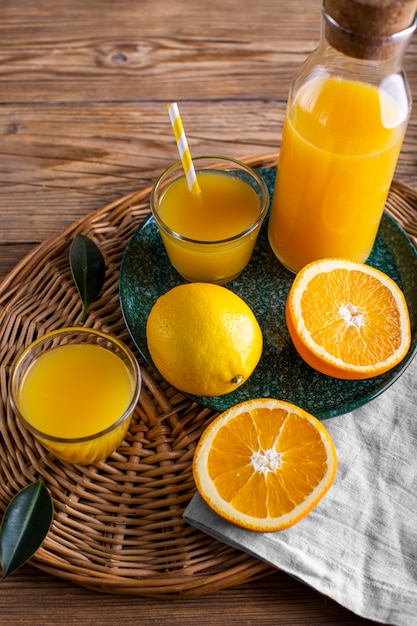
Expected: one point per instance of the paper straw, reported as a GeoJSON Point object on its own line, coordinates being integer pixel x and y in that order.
{"type": "Point", "coordinates": [185, 156]}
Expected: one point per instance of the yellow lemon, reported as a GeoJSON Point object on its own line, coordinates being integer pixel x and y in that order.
{"type": "Point", "coordinates": [204, 339]}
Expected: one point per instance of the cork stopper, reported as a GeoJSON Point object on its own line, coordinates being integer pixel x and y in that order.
{"type": "Point", "coordinates": [368, 28]}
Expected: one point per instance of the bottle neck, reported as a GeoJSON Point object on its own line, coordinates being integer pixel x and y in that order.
{"type": "Point", "coordinates": [388, 50]}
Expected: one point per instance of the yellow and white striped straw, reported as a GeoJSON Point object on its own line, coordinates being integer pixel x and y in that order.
{"type": "Point", "coordinates": [182, 145]}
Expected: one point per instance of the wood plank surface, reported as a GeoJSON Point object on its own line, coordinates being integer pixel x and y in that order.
{"type": "Point", "coordinates": [83, 121]}
{"type": "Point", "coordinates": [34, 598]}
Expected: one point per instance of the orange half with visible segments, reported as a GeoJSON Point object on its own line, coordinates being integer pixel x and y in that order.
{"type": "Point", "coordinates": [264, 464]}
{"type": "Point", "coordinates": [347, 319]}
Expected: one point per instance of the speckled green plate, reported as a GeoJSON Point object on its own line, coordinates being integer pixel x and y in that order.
{"type": "Point", "coordinates": [146, 273]}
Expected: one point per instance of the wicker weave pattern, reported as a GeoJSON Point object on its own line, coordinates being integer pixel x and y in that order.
{"type": "Point", "coordinates": [118, 524]}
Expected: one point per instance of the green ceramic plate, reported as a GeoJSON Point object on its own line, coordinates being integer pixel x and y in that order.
{"type": "Point", "coordinates": [146, 273]}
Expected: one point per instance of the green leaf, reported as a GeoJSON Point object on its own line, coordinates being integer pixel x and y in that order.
{"type": "Point", "coordinates": [24, 526]}
{"type": "Point", "coordinates": [88, 270]}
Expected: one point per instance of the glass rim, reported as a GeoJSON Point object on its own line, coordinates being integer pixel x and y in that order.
{"type": "Point", "coordinates": [86, 331]}
{"type": "Point", "coordinates": [243, 166]}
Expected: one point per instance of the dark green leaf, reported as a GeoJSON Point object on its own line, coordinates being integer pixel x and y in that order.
{"type": "Point", "coordinates": [24, 526]}
{"type": "Point", "coordinates": [88, 270]}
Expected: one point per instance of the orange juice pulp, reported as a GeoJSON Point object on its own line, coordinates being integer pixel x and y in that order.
{"type": "Point", "coordinates": [74, 391]}
{"type": "Point", "coordinates": [340, 146]}
{"type": "Point", "coordinates": [226, 207]}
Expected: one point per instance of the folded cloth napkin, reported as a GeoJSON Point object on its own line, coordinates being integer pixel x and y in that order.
{"type": "Point", "coordinates": [359, 545]}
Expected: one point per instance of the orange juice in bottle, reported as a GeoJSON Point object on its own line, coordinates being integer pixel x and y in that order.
{"type": "Point", "coordinates": [346, 117]}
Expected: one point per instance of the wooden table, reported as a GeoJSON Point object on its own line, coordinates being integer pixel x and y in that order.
{"type": "Point", "coordinates": [83, 121]}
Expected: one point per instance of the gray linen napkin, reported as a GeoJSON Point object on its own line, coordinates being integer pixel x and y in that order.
{"type": "Point", "coordinates": [359, 545]}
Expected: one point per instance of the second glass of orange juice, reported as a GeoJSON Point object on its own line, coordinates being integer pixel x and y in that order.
{"type": "Point", "coordinates": [209, 236]}
{"type": "Point", "coordinates": [75, 390]}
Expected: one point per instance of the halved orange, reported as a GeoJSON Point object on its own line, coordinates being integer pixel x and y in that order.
{"type": "Point", "coordinates": [347, 319]}
{"type": "Point", "coordinates": [264, 464]}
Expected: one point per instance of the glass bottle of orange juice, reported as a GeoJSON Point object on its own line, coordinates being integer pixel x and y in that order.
{"type": "Point", "coordinates": [346, 117]}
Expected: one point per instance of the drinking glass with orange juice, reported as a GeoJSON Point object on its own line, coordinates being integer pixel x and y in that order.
{"type": "Point", "coordinates": [209, 236]}
{"type": "Point", "coordinates": [75, 390]}
{"type": "Point", "coordinates": [346, 117]}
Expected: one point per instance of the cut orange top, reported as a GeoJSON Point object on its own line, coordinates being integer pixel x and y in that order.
{"type": "Point", "coordinates": [347, 319]}
{"type": "Point", "coordinates": [264, 464]}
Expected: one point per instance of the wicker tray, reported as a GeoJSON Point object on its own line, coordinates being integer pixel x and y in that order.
{"type": "Point", "coordinates": [118, 524]}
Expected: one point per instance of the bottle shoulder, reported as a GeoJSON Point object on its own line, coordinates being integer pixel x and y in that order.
{"type": "Point", "coordinates": [353, 75]}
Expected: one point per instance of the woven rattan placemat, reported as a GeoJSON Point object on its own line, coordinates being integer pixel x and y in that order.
{"type": "Point", "coordinates": [118, 525]}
